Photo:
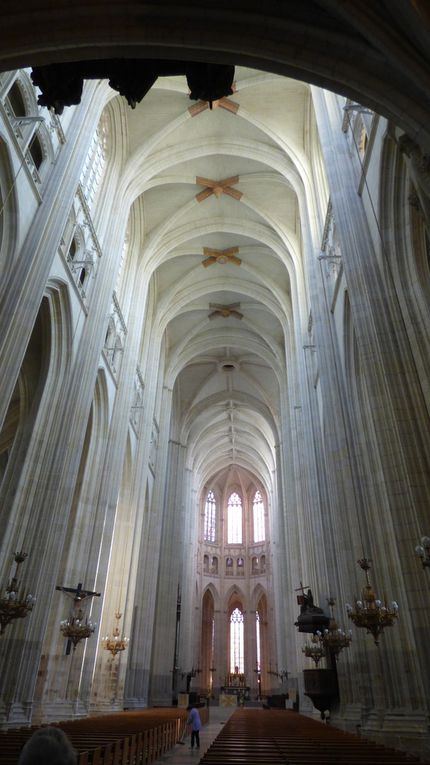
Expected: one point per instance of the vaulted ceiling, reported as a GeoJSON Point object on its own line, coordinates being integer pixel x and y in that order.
{"type": "Point", "coordinates": [226, 197]}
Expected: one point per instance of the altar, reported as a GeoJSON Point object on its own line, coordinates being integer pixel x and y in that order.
{"type": "Point", "coordinates": [235, 690]}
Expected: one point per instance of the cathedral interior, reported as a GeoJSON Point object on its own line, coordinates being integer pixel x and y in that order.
{"type": "Point", "coordinates": [215, 355]}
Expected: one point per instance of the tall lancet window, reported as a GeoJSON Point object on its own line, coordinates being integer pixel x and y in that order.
{"type": "Point", "coordinates": [258, 516]}
{"type": "Point", "coordinates": [257, 639]}
{"type": "Point", "coordinates": [234, 522]}
{"type": "Point", "coordinates": [236, 641]}
{"type": "Point", "coordinates": [210, 518]}
{"type": "Point", "coordinates": [95, 163]}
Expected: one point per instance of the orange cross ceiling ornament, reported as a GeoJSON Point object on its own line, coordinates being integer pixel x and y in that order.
{"type": "Point", "coordinates": [220, 256]}
{"type": "Point", "coordinates": [222, 103]}
{"type": "Point", "coordinates": [225, 311]}
{"type": "Point", "coordinates": [218, 188]}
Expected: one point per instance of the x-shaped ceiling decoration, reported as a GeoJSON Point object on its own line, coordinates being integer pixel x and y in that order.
{"type": "Point", "coordinates": [218, 188]}
{"type": "Point", "coordinates": [220, 256]}
{"type": "Point", "coordinates": [225, 311]}
{"type": "Point", "coordinates": [221, 103]}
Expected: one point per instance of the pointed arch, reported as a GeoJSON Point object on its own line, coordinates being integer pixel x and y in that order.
{"type": "Point", "coordinates": [31, 411]}
{"type": "Point", "coordinates": [207, 648]}
{"type": "Point", "coordinates": [9, 220]}
{"type": "Point", "coordinates": [234, 518]}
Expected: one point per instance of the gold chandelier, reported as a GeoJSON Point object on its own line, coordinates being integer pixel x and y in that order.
{"type": "Point", "coordinates": [76, 628]}
{"type": "Point", "coordinates": [114, 643]}
{"type": "Point", "coordinates": [315, 649]}
{"type": "Point", "coordinates": [13, 604]}
{"type": "Point", "coordinates": [335, 639]}
{"type": "Point", "coordinates": [370, 612]}
{"type": "Point", "coordinates": [332, 640]}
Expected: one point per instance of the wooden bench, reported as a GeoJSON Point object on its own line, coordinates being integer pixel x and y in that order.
{"type": "Point", "coordinates": [281, 736]}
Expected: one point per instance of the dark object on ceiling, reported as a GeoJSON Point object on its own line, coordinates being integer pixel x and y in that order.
{"type": "Point", "coordinates": [61, 84]}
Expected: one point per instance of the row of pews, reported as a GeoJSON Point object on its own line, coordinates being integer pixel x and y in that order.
{"type": "Point", "coordinates": [281, 737]}
{"type": "Point", "coordinates": [126, 738]}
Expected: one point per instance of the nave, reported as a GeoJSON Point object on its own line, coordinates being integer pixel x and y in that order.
{"type": "Point", "coordinates": [215, 364]}
{"type": "Point", "coordinates": [228, 737]}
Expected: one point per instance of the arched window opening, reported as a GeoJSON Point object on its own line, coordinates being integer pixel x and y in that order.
{"type": "Point", "coordinates": [214, 565]}
{"type": "Point", "coordinates": [234, 520]}
{"type": "Point", "coordinates": [95, 164]}
{"type": "Point", "coordinates": [16, 100]}
{"type": "Point", "coordinates": [258, 517]}
{"type": "Point", "coordinates": [210, 518]}
{"type": "Point", "coordinates": [237, 664]}
{"type": "Point", "coordinates": [73, 249]}
{"type": "Point", "coordinates": [36, 153]}
{"type": "Point", "coordinates": [206, 564]}
{"type": "Point", "coordinates": [363, 141]}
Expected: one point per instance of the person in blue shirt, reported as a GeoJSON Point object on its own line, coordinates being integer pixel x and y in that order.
{"type": "Point", "coordinates": [196, 724]}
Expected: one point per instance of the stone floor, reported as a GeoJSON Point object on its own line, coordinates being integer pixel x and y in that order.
{"type": "Point", "coordinates": [183, 755]}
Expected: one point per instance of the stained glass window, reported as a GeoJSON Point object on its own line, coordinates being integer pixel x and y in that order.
{"type": "Point", "coordinates": [258, 516]}
{"type": "Point", "coordinates": [210, 518]}
{"type": "Point", "coordinates": [236, 641]}
{"type": "Point", "coordinates": [234, 520]}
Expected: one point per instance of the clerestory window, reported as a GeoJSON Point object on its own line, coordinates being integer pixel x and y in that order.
{"type": "Point", "coordinates": [234, 520]}
{"type": "Point", "coordinates": [210, 518]}
{"type": "Point", "coordinates": [258, 517]}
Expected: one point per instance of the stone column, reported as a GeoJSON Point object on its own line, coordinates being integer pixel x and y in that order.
{"type": "Point", "coordinates": [168, 567]}
{"type": "Point", "coordinates": [27, 281]}
{"type": "Point", "coordinates": [394, 412]}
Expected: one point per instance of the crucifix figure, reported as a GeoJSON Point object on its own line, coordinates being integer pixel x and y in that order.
{"type": "Point", "coordinates": [78, 595]}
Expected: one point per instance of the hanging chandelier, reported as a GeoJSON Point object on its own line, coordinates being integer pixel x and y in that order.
{"type": "Point", "coordinates": [423, 551]}
{"type": "Point", "coordinates": [13, 604]}
{"type": "Point", "coordinates": [335, 639]}
{"type": "Point", "coordinates": [76, 628]}
{"type": "Point", "coordinates": [114, 643]}
{"type": "Point", "coordinates": [315, 649]}
{"type": "Point", "coordinates": [370, 612]}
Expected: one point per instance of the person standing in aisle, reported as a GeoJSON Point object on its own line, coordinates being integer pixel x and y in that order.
{"type": "Point", "coordinates": [196, 724]}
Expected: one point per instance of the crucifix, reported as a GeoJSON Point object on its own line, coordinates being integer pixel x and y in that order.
{"type": "Point", "coordinates": [301, 599]}
{"type": "Point", "coordinates": [78, 595]}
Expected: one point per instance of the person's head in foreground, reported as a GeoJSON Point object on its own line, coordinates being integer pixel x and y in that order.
{"type": "Point", "coordinates": [48, 746]}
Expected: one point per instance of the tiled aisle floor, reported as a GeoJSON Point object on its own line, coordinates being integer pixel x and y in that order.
{"type": "Point", "coordinates": [182, 755]}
